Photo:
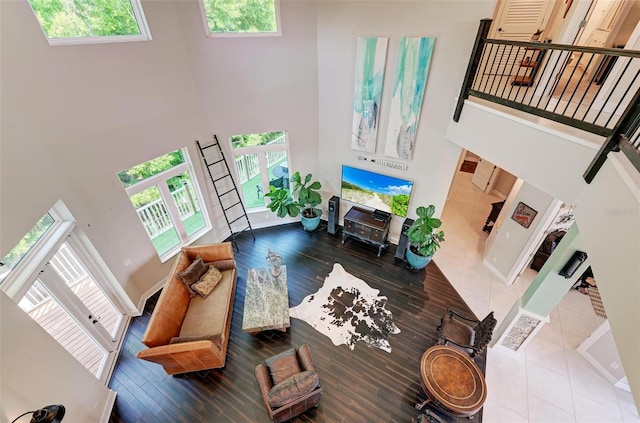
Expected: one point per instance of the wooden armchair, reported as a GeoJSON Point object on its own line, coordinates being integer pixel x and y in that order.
{"type": "Point", "coordinates": [289, 383]}
{"type": "Point", "coordinates": [470, 335]}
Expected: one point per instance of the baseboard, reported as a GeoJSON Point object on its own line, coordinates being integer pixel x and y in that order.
{"type": "Point", "coordinates": [149, 293]}
{"type": "Point", "coordinates": [108, 406]}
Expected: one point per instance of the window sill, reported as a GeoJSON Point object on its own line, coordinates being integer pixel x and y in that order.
{"type": "Point", "coordinates": [193, 238]}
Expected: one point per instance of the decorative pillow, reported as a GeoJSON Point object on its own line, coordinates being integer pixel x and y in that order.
{"type": "Point", "coordinates": [283, 365]}
{"type": "Point", "coordinates": [207, 282]}
{"type": "Point", "coordinates": [192, 274]}
{"type": "Point", "coordinates": [292, 388]}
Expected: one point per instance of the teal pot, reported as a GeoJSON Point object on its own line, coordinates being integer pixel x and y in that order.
{"type": "Point", "coordinates": [417, 261]}
{"type": "Point", "coordinates": [310, 223]}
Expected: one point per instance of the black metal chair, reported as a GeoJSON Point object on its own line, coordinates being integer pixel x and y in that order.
{"type": "Point", "coordinates": [469, 334]}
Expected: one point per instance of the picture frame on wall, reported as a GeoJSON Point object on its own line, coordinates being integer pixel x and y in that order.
{"type": "Point", "coordinates": [524, 214]}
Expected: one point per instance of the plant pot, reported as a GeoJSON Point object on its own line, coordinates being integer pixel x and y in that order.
{"type": "Point", "coordinates": [310, 223]}
{"type": "Point", "coordinates": [417, 261]}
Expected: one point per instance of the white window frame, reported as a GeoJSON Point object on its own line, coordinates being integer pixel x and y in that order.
{"type": "Point", "coordinates": [159, 181]}
{"type": "Point", "coordinates": [260, 151]}
{"type": "Point", "coordinates": [145, 33]}
{"type": "Point", "coordinates": [276, 33]}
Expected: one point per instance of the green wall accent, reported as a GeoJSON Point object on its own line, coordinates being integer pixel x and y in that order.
{"type": "Point", "coordinates": [548, 287]}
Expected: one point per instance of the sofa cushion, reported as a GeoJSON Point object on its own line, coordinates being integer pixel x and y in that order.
{"type": "Point", "coordinates": [206, 317]}
{"type": "Point", "coordinates": [192, 274]}
{"type": "Point", "coordinates": [283, 365]}
{"type": "Point", "coordinates": [207, 282]}
{"type": "Point", "coordinates": [292, 388]}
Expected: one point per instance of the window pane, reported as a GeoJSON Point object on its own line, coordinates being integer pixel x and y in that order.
{"type": "Point", "coordinates": [71, 270]}
{"type": "Point", "coordinates": [252, 140]}
{"type": "Point", "coordinates": [155, 218]}
{"type": "Point", "coordinates": [24, 246]}
{"type": "Point", "coordinates": [187, 203]}
{"type": "Point", "coordinates": [241, 15]}
{"type": "Point", "coordinates": [85, 18]}
{"type": "Point", "coordinates": [248, 168]}
{"type": "Point", "coordinates": [148, 169]}
{"type": "Point", "coordinates": [53, 318]}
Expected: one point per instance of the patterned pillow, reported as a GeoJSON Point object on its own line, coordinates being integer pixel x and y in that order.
{"type": "Point", "coordinates": [192, 274]}
{"type": "Point", "coordinates": [207, 282]}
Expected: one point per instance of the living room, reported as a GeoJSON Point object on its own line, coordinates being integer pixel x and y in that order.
{"type": "Point", "coordinates": [77, 115]}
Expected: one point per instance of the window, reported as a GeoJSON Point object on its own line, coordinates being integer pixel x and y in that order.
{"type": "Point", "coordinates": [91, 21]}
{"type": "Point", "coordinates": [167, 201]}
{"type": "Point", "coordinates": [241, 17]}
{"type": "Point", "coordinates": [11, 260]}
{"type": "Point", "coordinates": [261, 161]}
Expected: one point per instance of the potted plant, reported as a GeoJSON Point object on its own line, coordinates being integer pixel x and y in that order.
{"type": "Point", "coordinates": [282, 200]}
{"type": "Point", "coordinates": [423, 238]}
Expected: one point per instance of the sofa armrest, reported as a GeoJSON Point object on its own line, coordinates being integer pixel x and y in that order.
{"type": "Point", "coordinates": [304, 356]}
{"type": "Point", "coordinates": [185, 356]}
{"type": "Point", "coordinates": [264, 382]}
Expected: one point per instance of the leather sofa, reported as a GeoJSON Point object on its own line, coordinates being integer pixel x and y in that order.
{"type": "Point", "coordinates": [187, 332]}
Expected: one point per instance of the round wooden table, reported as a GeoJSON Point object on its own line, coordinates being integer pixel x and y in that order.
{"type": "Point", "coordinates": [452, 380]}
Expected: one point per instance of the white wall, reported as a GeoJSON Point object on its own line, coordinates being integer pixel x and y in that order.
{"type": "Point", "coordinates": [454, 25]}
{"type": "Point", "coordinates": [549, 159]}
{"type": "Point", "coordinates": [74, 116]}
{"type": "Point", "coordinates": [37, 371]}
{"type": "Point", "coordinates": [609, 219]}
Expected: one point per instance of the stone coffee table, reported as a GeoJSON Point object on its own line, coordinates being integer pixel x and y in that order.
{"type": "Point", "coordinates": [266, 301]}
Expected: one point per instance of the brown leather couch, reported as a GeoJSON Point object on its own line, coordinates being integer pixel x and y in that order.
{"type": "Point", "coordinates": [188, 334]}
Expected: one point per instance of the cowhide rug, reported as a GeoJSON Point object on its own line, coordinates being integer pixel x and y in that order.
{"type": "Point", "coordinates": [347, 310]}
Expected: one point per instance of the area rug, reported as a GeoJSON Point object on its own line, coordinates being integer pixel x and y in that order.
{"type": "Point", "coordinates": [347, 310]}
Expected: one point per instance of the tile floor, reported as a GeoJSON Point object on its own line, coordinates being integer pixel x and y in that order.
{"type": "Point", "coordinates": [549, 381]}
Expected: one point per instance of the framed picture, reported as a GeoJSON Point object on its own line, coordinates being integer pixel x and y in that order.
{"type": "Point", "coordinates": [524, 214]}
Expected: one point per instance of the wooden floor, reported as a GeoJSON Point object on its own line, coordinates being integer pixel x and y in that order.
{"type": "Point", "coordinates": [363, 385]}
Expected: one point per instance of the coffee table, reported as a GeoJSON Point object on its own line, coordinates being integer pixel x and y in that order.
{"type": "Point", "coordinates": [266, 301]}
{"type": "Point", "coordinates": [451, 381]}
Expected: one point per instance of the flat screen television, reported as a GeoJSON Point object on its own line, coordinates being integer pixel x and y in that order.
{"type": "Point", "coordinates": [375, 190]}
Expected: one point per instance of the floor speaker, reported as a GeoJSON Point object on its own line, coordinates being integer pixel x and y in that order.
{"type": "Point", "coordinates": [403, 242]}
{"type": "Point", "coordinates": [334, 215]}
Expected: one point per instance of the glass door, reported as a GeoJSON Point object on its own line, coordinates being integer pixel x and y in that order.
{"type": "Point", "coordinates": [68, 302]}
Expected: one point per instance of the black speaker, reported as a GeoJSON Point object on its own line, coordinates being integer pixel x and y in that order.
{"type": "Point", "coordinates": [334, 215]}
{"type": "Point", "coordinates": [403, 242]}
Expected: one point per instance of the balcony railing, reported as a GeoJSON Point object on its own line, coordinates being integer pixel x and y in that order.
{"type": "Point", "coordinates": [155, 217]}
{"type": "Point", "coordinates": [593, 89]}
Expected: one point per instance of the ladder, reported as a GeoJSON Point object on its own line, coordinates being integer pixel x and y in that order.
{"type": "Point", "coordinates": [225, 187]}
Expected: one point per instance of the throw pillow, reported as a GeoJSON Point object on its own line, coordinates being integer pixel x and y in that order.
{"type": "Point", "coordinates": [283, 365]}
{"type": "Point", "coordinates": [192, 274]}
{"type": "Point", "coordinates": [207, 282]}
{"type": "Point", "coordinates": [292, 388]}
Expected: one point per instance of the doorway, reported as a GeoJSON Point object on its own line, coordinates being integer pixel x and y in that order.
{"type": "Point", "coordinates": [59, 282]}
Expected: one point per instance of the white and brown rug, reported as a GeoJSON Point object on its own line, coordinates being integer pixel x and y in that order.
{"type": "Point", "coordinates": [347, 310]}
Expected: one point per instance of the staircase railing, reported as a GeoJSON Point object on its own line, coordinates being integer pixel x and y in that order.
{"type": "Point", "coordinates": [593, 89]}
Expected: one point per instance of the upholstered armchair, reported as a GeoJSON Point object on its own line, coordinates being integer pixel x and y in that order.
{"type": "Point", "coordinates": [470, 335]}
{"type": "Point", "coordinates": [289, 383]}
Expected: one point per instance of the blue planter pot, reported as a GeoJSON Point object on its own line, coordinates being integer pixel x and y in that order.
{"type": "Point", "coordinates": [310, 223]}
{"type": "Point", "coordinates": [416, 261]}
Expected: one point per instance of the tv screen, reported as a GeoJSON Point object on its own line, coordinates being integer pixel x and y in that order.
{"type": "Point", "coordinates": [375, 190]}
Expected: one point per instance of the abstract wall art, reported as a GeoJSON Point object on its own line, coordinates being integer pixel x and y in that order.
{"type": "Point", "coordinates": [412, 68]}
{"type": "Point", "coordinates": [370, 63]}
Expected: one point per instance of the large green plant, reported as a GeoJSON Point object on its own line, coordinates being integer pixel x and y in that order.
{"type": "Point", "coordinates": [282, 200]}
{"type": "Point", "coordinates": [422, 234]}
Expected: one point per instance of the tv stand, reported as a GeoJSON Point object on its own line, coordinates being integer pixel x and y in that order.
{"type": "Point", "coordinates": [361, 224]}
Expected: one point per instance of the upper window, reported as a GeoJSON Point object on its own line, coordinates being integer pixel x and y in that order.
{"type": "Point", "coordinates": [24, 246]}
{"type": "Point", "coordinates": [241, 17]}
{"type": "Point", "coordinates": [167, 200]}
{"type": "Point", "coordinates": [91, 21]}
{"type": "Point", "coordinates": [261, 161]}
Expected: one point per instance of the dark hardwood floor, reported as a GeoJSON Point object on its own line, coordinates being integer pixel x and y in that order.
{"type": "Point", "coordinates": [363, 385]}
